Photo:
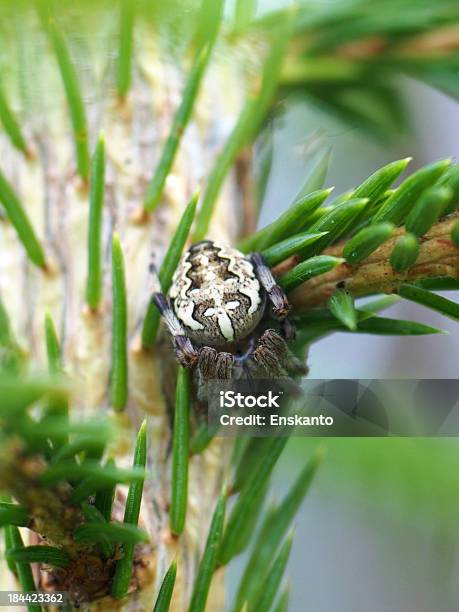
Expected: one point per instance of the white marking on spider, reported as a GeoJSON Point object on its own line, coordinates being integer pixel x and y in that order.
{"type": "Point", "coordinates": [225, 325]}
{"type": "Point", "coordinates": [186, 315]}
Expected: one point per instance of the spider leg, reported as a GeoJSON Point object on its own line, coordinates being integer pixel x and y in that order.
{"type": "Point", "coordinates": [273, 356]}
{"type": "Point", "coordinates": [212, 364]}
{"type": "Point", "coordinates": [215, 364]}
{"type": "Point", "coordinates": [265, 358]}
{"type": "Point", "coordinates": [276, 295]}
{"type": "Point", "coordinates": [184, 349]}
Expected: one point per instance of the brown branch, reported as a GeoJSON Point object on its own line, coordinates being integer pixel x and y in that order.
{"type": "Point", "coordinates": [438, 256]}
{"type": "Point", "coordinates": [244, 177]}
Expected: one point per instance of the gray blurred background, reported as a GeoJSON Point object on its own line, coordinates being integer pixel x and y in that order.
{"type": "Point", "coordinates": [378, 531]}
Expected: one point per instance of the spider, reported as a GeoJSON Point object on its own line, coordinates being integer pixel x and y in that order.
{"type": "Point", "coordinates": [214, 312]}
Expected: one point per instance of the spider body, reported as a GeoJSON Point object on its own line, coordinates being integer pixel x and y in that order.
{"type": "Point", "coordinates": [216, 294]}
{"type": "Point", "coordinates": [216, 310]}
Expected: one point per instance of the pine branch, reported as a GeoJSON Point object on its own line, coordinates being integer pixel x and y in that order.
{"type": "Point", "coordinates": [438, 257]}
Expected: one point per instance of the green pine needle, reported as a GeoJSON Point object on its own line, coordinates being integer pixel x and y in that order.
{"type": "Point", "coordinates": [6, 334]}
{"type": "Point", "coordinates": [21, 223]}
{"type": "Point", "coordinates": [180, 451]}
{"type": "Point", "coordinates": [15, 399]}
{"type": "Point", "coordinates": [96, 203]}
{"type": "Point", "coordinates": [366, 241]}
{"type": "Point", "coordinates": [272, 531]}
{"type": "Point", "coordinates": [430, 300]}
{"type": "Point", "coordinates": [119, 375]}
{"type": "Point", "coordinates": [123, 570]}
{"type": "Point", "coordinates": [11, 125]}
{"type": "Point", "coordinates": [23, 569]}
{"type": "Point", "coordinates": [163, 601]}
{"type": "Point", "coordinates": [107, 475]}
{"type": "Point", "coordinates": [428, 209]}
{"type": "Point", "coordinates": [292, 220]}
{"type": "Point", "coordinates": [113, 532]}
{"type": "Point", "coordinates": [255, 452]}
{"type": "Point", "coordinates": [57, 405]}
{"type": "Point", "coordinates": [246, 128]}
{"type": "Point", "coordinates": [274, 577]}
{"type": "Point", "coordinates": [92, 515]}
{"type": "Point", "coordinates": [201, 438]}
{"type": "Point", "coordinates": [166, 272]}
{"type": "Point", "coordinates": [282, 604]}
{"type": "Point", "coordinates": [82, 444]}
{"type": "Point", "coordinates": [246, 505]}
{"type": "Point", "coordinates": [378, 183]}
{"type": "Point", "coordinates": [209, 19]}
{"type": "Point", "coordinates": [60, 426]}
{"type": "Point", "coordinates": [374, 306]}
{"type": "Point", "coordinates": [282, 250]}
{"type": "Point", "coordinates": [125, 43]}
{"type": "Point", "coordinates": [455, 233]}
{"type": "Point", "coordinates": [87, 487]}
{"type": "Point", "coordinates": [305, 270]}
{"type": "Point", "coordinates": [338, 220]}
{"type": "Point", "coordinates": [74, 96]}
{"type": "Point", "coordinates": [405, 253]}
{"type": "Point", "coordinates": [8, 545]}
{"type": "Point", "coordinates": [317, 176]}
{"type": "Point", "coordinates": [394, 327]}
{"type": "Point", "coordinates": [320, 322]}
{"type": "Point", "coordinates": [105, 496]}
{"type": "Point", "coordinates": [341, 305]}
{"type": "Point", "coordinates": [49, 555]}
{"type": "Point", "coordinates": [12, 357]}
{"type": "Point", "coordinates": [450, 179]}
{"type": "Point", "coordinates": [180, 122]}
{"type": "Point", "coordinates": [398, 205]}
{"type": "Point", "coordinates": [13, 514]}
{"type": "Point", "coordinates": [52, 346]}
{"type": "Point", "coordinates": [209, 558]}
{"type": "Point", "coordinates": [438, 283]}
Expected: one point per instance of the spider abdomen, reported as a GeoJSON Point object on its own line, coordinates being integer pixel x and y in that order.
{"type": "Point", "coordinates": [216, 294]}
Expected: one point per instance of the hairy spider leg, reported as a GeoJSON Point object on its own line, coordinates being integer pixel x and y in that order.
{"type": "Point", "coordinates": [273, 356]}
{"type": "Point", "coordinates": [215, 364]}
{"type": "Point", "coordinates": [276, 295]}
{"type": "Point", "coordinates": [184, 349]}
{"type": "Point", "coordinates": [212, 364]}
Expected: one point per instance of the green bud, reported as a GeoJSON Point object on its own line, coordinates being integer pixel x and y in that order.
{"type": "Point", "coordinates": [405, 253]}
{"type": "Point", "coordinates": [366, 241]}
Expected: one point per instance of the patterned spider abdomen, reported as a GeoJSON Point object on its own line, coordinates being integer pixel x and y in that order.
{"type": "Point", "coordinates": [216, 294]}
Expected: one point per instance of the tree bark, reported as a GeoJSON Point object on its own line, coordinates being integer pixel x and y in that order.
{"type": "Point", "coordinates": [57, 203]}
